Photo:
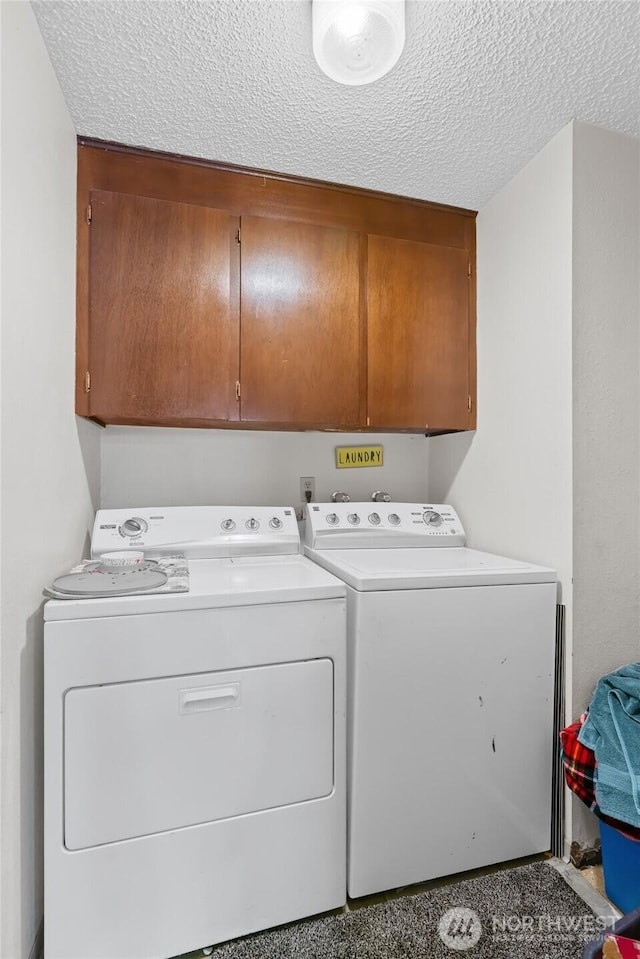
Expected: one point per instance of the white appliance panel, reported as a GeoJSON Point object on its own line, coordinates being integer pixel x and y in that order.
{"type": "Point", "coordinates": [381, 526]}
{"type": "Point", "coordinates": [155, 897]}
{"type": "Point", "coordinates": [197, 531]}
{"type": "Point", "coordinates": [234, 581]}
{"type": "Point", "coordinates": [147, 757]}
{"type": "Point", "coordinates": [450, 699]}
{"type": "Point", "coordinates": [176, 891]}
{"type": "Point", "coordinates": [377, 569]}
{"type": "Point", "coordinates": [87, 652]}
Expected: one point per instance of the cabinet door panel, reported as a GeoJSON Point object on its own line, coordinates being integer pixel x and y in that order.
{"type": "Point", "coordinates": [417, 335]}
{"type": "Point", "coordinates": [164, 324]}
{"type": "Point", "coordinates": [300, 328]}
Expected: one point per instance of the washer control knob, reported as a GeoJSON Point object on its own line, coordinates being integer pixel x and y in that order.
{"type": "Point", "coordinates": [394, 519]}
{"type": "Point", "coordinates": [252, 524]}
{"type": "Point", "coordinates": [275, 523]}
{"type": "Point", "coordinates": [374, 519]}
{"type": "Point", "coordinates": [432, 518]}
{"type": "Point", "coordinates": [332, 519]}
{"type": "Point", "coordinates": [353, 518]}
{"type": "Point", "coordinates": [228, 525]}
{"type": "Point", "coordinates": [134, 526]}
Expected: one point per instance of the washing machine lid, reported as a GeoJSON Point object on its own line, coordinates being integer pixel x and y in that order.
{"type": "Point", "coordinates": [214, 584]}
{"type": "Point", "coordinates": [385, 569]}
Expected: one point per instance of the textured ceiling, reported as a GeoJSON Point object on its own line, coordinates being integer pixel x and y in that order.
{"type": "Point", "coordinates": [479, 89]}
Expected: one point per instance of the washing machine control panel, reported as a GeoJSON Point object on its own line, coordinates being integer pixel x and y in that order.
{"type": "Point", "coordinates": [197, 531]}
{"type": "Point", "coordinates": [381, 525]}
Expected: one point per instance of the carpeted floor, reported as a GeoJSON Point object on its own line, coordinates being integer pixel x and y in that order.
{"type": "Point", "coordinates": [524, 913]}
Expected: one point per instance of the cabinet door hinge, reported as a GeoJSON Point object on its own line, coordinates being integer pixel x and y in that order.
{"type": "Point", "coordinates": [237, 389]}
{"type": "Point", "coordinates": [238, 239]}
{"type": "Point", "coordinates": [469, 404]}
{"type": "Point", "coordinates": [89, 213]}
{"type": "Point", "coordinates": [87, 382]}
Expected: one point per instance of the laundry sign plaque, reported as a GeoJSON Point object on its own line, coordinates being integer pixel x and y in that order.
{"type": "Point", "coordinates": [348, 457]}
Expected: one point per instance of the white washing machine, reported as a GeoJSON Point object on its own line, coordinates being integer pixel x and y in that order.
{"type": "Point", "coordinates": [195, 774]}
{"type": "Point", "coordinates": [450, 693]}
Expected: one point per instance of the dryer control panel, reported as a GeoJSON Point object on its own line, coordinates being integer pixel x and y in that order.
{"type": "Point", "coordinates": [381, 525]}
{"type": "Point", "coordinates": [197, 531]}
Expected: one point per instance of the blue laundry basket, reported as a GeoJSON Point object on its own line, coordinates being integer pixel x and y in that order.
{"type": "Point", "coordinates": [621, 866]}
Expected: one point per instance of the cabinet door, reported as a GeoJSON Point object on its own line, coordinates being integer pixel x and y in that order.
{"type": "Point", "coordinates": [300, 327]}
{"type": "Point", "coordinates": [417, 335]}
{"type": "Point", "coordinates": [163, 311]}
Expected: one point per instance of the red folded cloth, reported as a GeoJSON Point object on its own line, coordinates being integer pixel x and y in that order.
{"type": "Point", "coordinates": [580, 765]}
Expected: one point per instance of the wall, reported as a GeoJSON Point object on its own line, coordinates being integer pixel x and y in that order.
{"type": "Point", "coordinates": [50, 461]}
{"type": "Point", "coordinates": [173, 467]}
{"type": "Point", "coordinates": [511, 481]}
{"type": "Point", "coordinates": [606, 413]}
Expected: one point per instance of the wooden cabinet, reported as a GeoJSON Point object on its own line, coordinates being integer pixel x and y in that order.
{"type": "Point", "coordinates": [417, 335]}
{"type": "Point", "coordinates": [213, 296]}
{"type": "Point", "coordinates": [163, 304]}
{"type": "Point", "coordinates": [300, 324]}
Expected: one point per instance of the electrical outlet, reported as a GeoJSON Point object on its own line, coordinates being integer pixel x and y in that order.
{"type": "Point", "coordinates": [307, 486]}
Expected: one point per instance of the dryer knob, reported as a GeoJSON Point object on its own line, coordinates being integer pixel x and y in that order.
{"type": "Point", "coordinates": [275, 523]}
{"type": "Point", "coordinates": [374, 519]}
{"type": "Point", "coordinates": [134, 526]}
{"type": "Point", "coordinates": [353, 518]}
{"type": "Point", "coordinates": [332, 519]}
{"type": "Point", "coordinates": [228, 525]}
{"type": "Point", "coordinates": [252, 524]}
{"type": "Point", "coordinates": [432, 518]}
{"type": "Point", "coordinates": [394, 519]}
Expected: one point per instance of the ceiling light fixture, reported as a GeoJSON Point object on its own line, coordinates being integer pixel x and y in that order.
{"type": "Point", "coordinates": [357, 41]}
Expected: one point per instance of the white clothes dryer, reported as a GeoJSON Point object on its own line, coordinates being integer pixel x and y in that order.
{"type": "Point", "coordinates": [450, 693]}
{"type": "Point", "coordinates": [195, 774]}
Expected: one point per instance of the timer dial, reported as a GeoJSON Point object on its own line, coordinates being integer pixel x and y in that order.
{"type": "Point", "coordinates": [134, 526]}
{"type": "Point", "coordinates": [432, 518]}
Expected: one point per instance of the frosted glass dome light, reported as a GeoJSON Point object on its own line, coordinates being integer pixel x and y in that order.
{"type": "Point", "coordinates": [357, 41]}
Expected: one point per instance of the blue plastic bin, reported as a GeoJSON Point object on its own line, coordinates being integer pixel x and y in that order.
{"type": "Point", "coordinates": [621, 866]}
{"type": "Point", "coordinates": [628, 926]}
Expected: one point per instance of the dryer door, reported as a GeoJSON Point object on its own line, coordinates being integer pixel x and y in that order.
{"type": "Point", "coordinates": [146, 757]}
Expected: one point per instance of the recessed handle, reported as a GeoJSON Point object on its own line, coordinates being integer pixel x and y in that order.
{"type": "Point", "coordinates": [202, 698]}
